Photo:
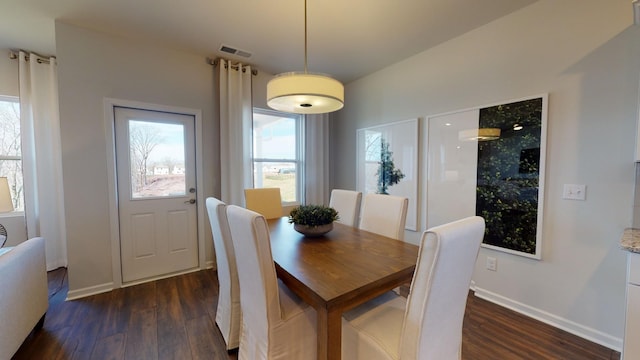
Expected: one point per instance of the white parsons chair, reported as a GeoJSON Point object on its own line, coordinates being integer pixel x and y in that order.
{"type": "Point", "coordinates": [228, 314]}
{"type": "Point", "coordinates": [384, 214]}
{"type": "Point", "coordinates": [276, 323]}
{"type": "Point", "coordinates": [347, 204]}
{"type": "Point", "coordinates": [428, 324]}
{"type": "Point", "coordinates": [265, 201]}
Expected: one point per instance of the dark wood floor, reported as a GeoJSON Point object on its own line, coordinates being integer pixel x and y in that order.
{"type": "Point", "coordinates": [175, 319]}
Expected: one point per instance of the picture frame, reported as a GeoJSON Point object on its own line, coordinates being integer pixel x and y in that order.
{"type": "Point", "coordinates": [490, 161]}
{"type": "Point", "coordinates": [387, 162]}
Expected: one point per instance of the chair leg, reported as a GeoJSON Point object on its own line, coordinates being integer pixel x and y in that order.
{"type": "Point", "coordinates": [404, 290]}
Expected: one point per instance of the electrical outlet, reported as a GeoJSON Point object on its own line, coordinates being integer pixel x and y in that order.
{"type": "Point", "coordinates": [492, 263]}
{"type": "Point", "coordinates": [574, 191]}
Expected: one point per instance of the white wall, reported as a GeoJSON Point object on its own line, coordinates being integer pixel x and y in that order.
{"type": "Point", "coordinates": [93, 66]}
{"type": "Point", "coordinates": [585, 55]}
{"type": "Point", "coordinates": [259, 89]}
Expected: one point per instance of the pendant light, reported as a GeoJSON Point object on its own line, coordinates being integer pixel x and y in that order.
{"type": "Point", "coordinates": [305, 92]}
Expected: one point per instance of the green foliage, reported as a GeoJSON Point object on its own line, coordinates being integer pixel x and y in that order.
{"type": "Point", "coordinates": [508, 175]}
{"type": "Point", "coordinates": [313, 215]}
{"type": "Point", "coordinates": [388, 175]}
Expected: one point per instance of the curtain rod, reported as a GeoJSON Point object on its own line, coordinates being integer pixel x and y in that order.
{"type": "Point", "coordinates": [13, 55]}
{"type": "Point", "coordinates": [216, 61]}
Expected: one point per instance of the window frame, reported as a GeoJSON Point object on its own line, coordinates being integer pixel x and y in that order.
{"type": "Point", "coordinates": [298, 162]}
{"type": "Point", "coordinates": [14, 99]}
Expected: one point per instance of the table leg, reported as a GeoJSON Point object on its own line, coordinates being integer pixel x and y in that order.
{"type": "Point", "coordinates": [323, 332]}
{"type": "Point", "coordinates": [329, 334]}
{"type": "Point", "coordinates": [334, 335]}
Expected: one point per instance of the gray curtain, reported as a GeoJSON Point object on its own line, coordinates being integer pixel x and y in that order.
{"type": "Point", "coordinates": [317, 159]}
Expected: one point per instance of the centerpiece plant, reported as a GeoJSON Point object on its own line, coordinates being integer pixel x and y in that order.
{"type": "Point", "coordinates": [313, 215]}
{"type": "Point", "coordinates": [313, 220]}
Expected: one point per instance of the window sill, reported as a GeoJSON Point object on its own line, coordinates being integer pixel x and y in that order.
{"type": "Point", "coordinates": [13, 214]}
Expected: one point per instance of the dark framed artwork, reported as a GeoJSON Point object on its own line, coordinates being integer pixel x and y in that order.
{"type": "Point", "coordinates": [510, 176]}
{"type": "Point", "coordinates": [489, 161]}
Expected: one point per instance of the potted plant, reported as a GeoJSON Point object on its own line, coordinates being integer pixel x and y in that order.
{"type": "Point", "coordinates": [313, 220]}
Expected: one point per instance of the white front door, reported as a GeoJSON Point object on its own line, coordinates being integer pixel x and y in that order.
{"type": "Point", "coordinates": [156, 180]}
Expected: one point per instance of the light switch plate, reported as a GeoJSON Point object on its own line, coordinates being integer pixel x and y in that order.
{"type": "Point", "coordinates": [492, 263]}
{"type": "Point", "coordinates": [574, 192]}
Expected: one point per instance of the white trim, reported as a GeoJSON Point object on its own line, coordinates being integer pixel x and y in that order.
{"type": "Point", "coordinates": [637, 159]}
{"type": "Point", "coordinates": [114, 223]}
{"type": "Point", "coordinates": [585, 332]}
{"type": "Point", "coordinates": [10, 98]}
{"type": "Point", "coordinates": [160, 277]}
{"type": "Point", "coordinates": [106, 287]}
{"type": "Point", "coordinates": [200, 198]}
{"type": "Point", "coordinates": [88, 291]}
{"type": "Point", "coordinates": [12, 214]}
{"type": "Point", "coordinates": [109, 123]}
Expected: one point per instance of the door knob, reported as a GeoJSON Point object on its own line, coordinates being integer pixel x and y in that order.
{"type": "Point", "coordinates": [190, 201]}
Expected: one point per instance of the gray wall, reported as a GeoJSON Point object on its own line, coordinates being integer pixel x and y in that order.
{"type": "Point", "coordinates": [93, 67]}
{"type": "Point", "coordinates": [585, 55]}
{"type": "Point", "coordinates": [8, 74]}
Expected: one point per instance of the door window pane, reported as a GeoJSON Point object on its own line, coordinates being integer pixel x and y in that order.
{"type": "Point", "coordinates": [157, 159]}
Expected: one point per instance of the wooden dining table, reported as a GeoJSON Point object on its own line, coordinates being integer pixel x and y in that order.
{"type": "Point", "coordinates": [338, 271]}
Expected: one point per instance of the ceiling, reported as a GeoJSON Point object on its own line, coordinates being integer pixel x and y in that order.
{"type": "Point", "coordinates": [347, 39]}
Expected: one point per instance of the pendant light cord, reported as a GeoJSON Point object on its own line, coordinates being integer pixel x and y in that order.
{"type": "Point", "coordinates": [305, 36]}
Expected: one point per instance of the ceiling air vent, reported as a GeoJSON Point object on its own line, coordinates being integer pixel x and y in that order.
{"type": "Point", "coordinates": [231, 50]}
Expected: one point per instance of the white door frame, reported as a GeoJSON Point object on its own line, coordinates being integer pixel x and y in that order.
{"type": "Point", "coordinates": [114, 220]}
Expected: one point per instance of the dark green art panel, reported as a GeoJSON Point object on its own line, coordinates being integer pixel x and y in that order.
{"type": "Point", "coordinates": [509, 175]}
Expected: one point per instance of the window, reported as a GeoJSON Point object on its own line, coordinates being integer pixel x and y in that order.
{"type": "Point", "coordinates": [10, 148]}
{"type": "Point", "coordinates": [157, 159]}
{"type": "Point", "coordinates": [277, 153]}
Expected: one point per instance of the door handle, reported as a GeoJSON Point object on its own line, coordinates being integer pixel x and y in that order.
{"type": "Point", "coordinates": [190, 201]}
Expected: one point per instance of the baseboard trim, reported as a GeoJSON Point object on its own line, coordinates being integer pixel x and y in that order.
{"type": "Point", "coordinates": [160, 277]}
{"type": "Point", "coordinates": [574, 328]}
{"type": "Point", "coordinates": [88, 291]}
{"type": "Point", "coordinates": [106, 287]}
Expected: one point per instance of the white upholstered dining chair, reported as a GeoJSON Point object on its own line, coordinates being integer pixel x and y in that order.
{"type": "Point", "coordinates": [347, 204]}
{"type": "Point", "coordinates": [276, 323]}
{"type": "Point", "coordinates": [428, 324]}
{"type": "Point", "coordinates": [384, 214]}
{"type": "Point", "coordinates": [228, 314]}
{"type": "Point", "coordinates": [265, 201]}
